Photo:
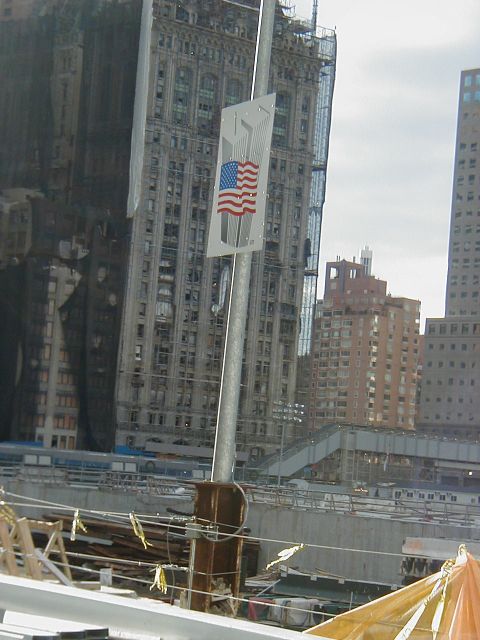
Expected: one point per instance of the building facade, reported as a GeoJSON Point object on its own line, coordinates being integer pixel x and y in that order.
{"type": "Point", "coordinates": [365, 352]}
{"type": "Point", "coordinates": [175, 312]}
{"type": "Point", "coordinates": [450, 399]}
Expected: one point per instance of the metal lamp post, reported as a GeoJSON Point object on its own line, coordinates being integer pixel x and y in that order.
{"type": "Point", "coordinates": [286, 413]}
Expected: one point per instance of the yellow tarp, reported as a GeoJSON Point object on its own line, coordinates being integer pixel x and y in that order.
{"type": "Point", "coordinates": [444, 606]}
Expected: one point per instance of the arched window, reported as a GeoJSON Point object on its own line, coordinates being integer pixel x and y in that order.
{"type": "Point", "coordinates": [282, 116]}
{"type": "Point", "coordinates": [181, 95]}
{"type": "Point", "coordinates": [207, 99]}
{"type": "Point", "coordinates": [182, 14]}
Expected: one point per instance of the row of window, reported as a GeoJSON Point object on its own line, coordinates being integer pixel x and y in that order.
{"type": "Point", "coordinates": [471, 178]}
{"type": "Point", "coordinates": [454, 329]}
{"type": "Point", "coordinates": [422, 496]}
{"type": "Point", "coordinates": [441, 418]}
{"type": "Point", "coordinates": [211, 53]}
{"type": "Point", "coordinates": [449, 399]}
{"type": "Point", "coordinates": [470, 96]}
{"type": "Point", "coordinates": [452, 346]}
{"type": "Point", "coordinates": [466, 229]}
{"type": "Point", "coordinates": [450, 382]}
{"type": "Point", "coordinates": [467, 245]}
{"type": "Point", "coordinates": [209, 102]}
{"type": "Point", "coordinates": [469, 198]}
{"type": "Point", "coordinates": [473, 146]}
{"type": "Point", "coordinates": [470, 79]}
{"type": "Point", "coordinates": [465, 278]}
{"type": "Point", "coordinates": [452, 364]}
{"type": "Point", "coordinates": [472, 163]}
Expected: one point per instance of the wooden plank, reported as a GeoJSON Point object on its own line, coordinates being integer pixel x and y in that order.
{"type": "Point", "coordinates": [55, 543]}
{"type": "Point", "coordinates": [27, 549]}
{"type": "Point", "coordinates": [53, 568]}
{"type": "Point", "coordinates": [8, 553]}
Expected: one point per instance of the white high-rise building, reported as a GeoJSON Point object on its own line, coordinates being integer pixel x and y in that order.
{"type": "Point", "coordinates": [450, 398]}
{"type": "Point", "coordinates": [366, 258]}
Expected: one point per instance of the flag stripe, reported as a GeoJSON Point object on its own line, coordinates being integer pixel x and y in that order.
{"type": "Point", "coordinates": [238, 214]}
{"type": "Point", "coordinates": [236, 203]}
{"type": "Point", "coordinates": [238, 195]}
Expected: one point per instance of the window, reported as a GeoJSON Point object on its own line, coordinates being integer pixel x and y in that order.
{"type": "Point", "coordinates": [181, 95]}
{"type": "Point", "coordinates": [206, 100]}
{"type": "Point", "coordinates": [280, 125]}
{"type": "Point", "coordinates": [234, 92]}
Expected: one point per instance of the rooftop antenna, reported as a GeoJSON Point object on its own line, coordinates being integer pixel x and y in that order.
{"type": "Point", "coordinates": [314, 15]}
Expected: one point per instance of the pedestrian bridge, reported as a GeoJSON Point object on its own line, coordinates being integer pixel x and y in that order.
{"type": "Point", "coordinates": [347, 438]}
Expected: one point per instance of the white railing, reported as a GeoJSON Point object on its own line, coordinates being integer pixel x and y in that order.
{"type": "Point", "coordinates": [104, 479]}
{"type": "Point", "coordinates": [362, 505]}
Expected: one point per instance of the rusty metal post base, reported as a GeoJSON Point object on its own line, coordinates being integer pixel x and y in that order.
{"type": "Point", "coordinates": [217, 557]}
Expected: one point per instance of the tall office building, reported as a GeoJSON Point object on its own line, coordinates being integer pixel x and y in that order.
{"type": "Point", "coordinates": [200, 59]}
{"type": "Point", "coordinates": [110, 119]}
{"type": "Point", "coordinates": [365, 352]}
{"type": "Point", "coordinates": [450, 398]}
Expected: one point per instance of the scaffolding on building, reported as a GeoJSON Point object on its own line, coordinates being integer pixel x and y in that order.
{"type": "Point", "coordinates": [327, 51]}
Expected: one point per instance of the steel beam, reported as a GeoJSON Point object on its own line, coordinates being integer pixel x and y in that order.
{"type": "Point", "coordinates": [141, 617]}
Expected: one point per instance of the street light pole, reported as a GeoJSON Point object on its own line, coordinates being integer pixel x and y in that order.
{"type": "Point", "coordinates": [280, 460]}
{"type": "Point", "coordinates": [286, 413]}
{"type": "Point", "coordinates": [221, 502]}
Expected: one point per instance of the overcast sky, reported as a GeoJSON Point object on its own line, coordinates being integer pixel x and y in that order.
{"type": "Point", "coordinates": [393, 136]}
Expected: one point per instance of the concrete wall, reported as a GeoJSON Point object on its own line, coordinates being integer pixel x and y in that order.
{"type": "Point", "coordinates": [101, 499]}
{"type": "Point", "coordinates": [276, 523]}
{"type": "Point", "coordinates": [346, 531]}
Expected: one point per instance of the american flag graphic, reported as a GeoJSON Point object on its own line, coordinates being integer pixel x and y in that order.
{"type": "Point", "coordinates": [241, 178]}
{"type": "Point", "coordinates": [237, 193]}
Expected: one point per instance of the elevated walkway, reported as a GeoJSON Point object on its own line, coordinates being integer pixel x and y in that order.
{"type": "Point", "coordinates": [332, 437]}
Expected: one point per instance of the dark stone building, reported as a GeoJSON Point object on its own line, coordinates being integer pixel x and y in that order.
{"type": "Point", "coordinates": [67, 71]}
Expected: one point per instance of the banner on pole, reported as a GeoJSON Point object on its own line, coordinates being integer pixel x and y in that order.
{"type": "Point", "coordinates": [239, 198]}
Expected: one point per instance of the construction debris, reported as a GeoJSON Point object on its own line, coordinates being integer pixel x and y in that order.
{"type": "Point", "coordinates": [115, 545]}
